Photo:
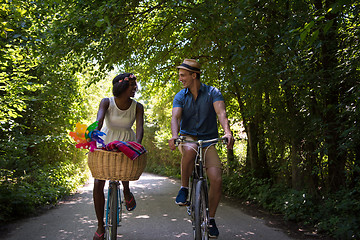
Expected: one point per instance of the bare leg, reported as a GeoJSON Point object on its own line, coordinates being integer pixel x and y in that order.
{"type": "Point", "coordinates": [214, 175]}
{"type": "Point", "coordinates": [187, 164]}
{"type": "Point", "coordinates": [130, 204]}
{"type": "Point", "coordinates": [126, 190]}
{"type": "Point", "coordinates": [99, 202]}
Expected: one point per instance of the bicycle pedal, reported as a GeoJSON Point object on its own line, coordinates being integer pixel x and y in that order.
{"type": "Point", "coordinates": [189, 211]}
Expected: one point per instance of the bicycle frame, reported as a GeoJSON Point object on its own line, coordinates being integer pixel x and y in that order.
{"type": "Point", "coordinates": [113, 210]}
{"type": "Point", "coordinates": [198, 174]}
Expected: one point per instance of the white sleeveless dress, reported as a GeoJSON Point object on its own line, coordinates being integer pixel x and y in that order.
{"type": "Point", "coordinates": [118, 123]}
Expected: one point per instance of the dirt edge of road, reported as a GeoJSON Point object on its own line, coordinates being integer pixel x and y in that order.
{"type": "Point", "coordinates": [292, 229]}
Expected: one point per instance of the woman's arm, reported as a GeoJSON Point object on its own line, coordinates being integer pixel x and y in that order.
{"type": "Point", "coordinates": [139, 122]}
{"type": "Point", "coordinates": [103, 107]}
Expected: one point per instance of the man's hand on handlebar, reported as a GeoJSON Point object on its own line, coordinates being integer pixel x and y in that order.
{"type": "Point", "coordinates": [230, 140]}
{"type": "Point", "coordinates": [172, 145]}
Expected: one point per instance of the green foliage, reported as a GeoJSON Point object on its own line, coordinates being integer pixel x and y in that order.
{"type": "Point", "coordinates": [22, 193]}
{"type": "Point", "coordinates": [43, 93]}
{"type": "Point", "coordinates": [340, 214]}
{"type": "Point", "coordinates": [288, 70]}
{"type": "Point", "coordinates": [160, 159]}
{"type": "Point", "coordinates": [335, 214]}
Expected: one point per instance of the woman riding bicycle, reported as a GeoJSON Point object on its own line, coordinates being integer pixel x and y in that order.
{"type": "Point", "coordinates": [119, 113]}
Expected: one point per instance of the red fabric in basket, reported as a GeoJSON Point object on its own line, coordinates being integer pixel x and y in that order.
{"type": "Point", "coordinates": [131, 149]}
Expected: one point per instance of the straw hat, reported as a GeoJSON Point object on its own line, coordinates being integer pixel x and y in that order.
{"type": "Point", "coordinates": [191, 65]}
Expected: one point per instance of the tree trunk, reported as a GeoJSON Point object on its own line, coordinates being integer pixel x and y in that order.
{"type": "Point", "coordinates": [296, 137]}
{"type": "Point", "coordinates": [256, 153]}
{"type": "Point", "coordinates": [231, 164]}
{"type": "Point", "coordinates": [251, 132]}
{"type": "Point", "coordinates": [296, 169]}
{"type": "Point", "coordinates": [336, 158]}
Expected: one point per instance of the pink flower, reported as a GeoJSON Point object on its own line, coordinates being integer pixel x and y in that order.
{"type": "Point", "coordinates": [127, 78]}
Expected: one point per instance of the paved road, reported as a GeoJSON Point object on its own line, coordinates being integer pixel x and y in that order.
{"type": "Point", "coordinates": [156, 217]}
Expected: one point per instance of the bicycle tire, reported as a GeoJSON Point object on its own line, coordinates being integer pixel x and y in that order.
{"type": "Point", "coordinates": [112, 219]}
{"type": "Point", "coordinates": [201, 214]}
{"type": "Point", "coordinates": [191, 204]}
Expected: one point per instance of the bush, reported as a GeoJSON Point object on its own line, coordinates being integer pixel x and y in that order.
{"type": "Point", "coordinates": [160, 159]}
{"type": "Point", "coordinates": [21, 196]}
{"type": "Point", "coordinates": [335, 214]}
{"type": "Point", "coordinates": [340, 214]}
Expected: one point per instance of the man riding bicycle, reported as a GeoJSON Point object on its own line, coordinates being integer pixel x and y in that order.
{"type": "Point", "coordinates": [194, 113]}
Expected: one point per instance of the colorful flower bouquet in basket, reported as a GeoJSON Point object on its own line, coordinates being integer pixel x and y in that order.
{"type": "Point", "coordinates": [87, 137]}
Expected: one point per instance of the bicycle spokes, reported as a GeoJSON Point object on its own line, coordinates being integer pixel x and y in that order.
{"type": "Point", "coordinates": [200, 222]}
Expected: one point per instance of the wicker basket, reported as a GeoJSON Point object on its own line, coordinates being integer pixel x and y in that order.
{"type": "Point", "coordinates": [107, 165]}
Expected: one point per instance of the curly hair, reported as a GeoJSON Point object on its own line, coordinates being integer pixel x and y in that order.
{"type": "Point", "coordinates": [120, 86]}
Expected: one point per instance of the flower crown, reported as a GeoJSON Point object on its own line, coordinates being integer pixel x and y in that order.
{"type": "Point", "coordinates": [132, 76]}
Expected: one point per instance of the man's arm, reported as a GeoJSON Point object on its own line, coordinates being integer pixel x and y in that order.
{"type": "Point", "coordinates": [219, 107]}
{"type": "Point", "coordinates": [175, 125]}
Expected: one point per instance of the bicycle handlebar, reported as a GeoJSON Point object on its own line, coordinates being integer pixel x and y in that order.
{"type": "Point", "coordinates": [182, 139]}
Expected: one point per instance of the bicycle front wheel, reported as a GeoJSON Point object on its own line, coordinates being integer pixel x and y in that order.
{"type": "Point", "coordinates": [201, 214]}
{"type": "Point", "coordinates": [111, 232]}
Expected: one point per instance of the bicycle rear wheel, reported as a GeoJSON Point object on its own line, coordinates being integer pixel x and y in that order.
{"type": "Point", "coordinates": [201, 214]}
{"type": "Point", "coordinates": [111, 231]}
